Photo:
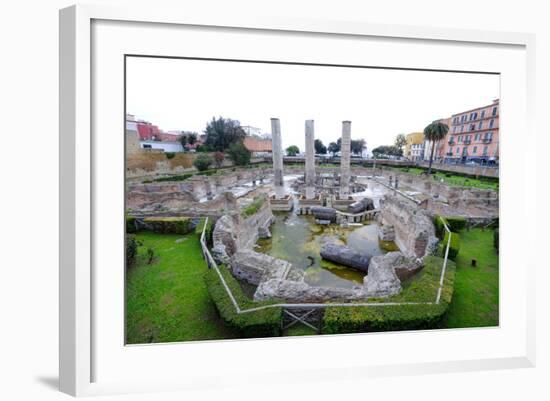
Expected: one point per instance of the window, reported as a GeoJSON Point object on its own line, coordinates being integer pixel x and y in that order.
{"type": "Point", "coordinates": [475, 150]}
{"type": "Point", "coordinates": [462, 128]}
{"type": "Point", "coordinates": [480, 125]}
{"type": "Point", "coordinates": [483, 114]}
{"type": "Point", "coordinates": [477, 137]}
{"type": "Point", "coordinates": [464, 150]}
{"type": "Point", "coordinates": [485, 149]}
{"type": "Point", "coordinates": [494, 111]}
{"type": "Point", "coordinates": [454, 129]}
{"type": "Point", "coordinates": [491, 123]}
{"type": "Point", "coordinates": [472, 127]}
{"type": "Point", "coordinates": [457, 151]}
{"type": "Point", "coordinates": [147, 146]}
{"type": "Point", "coordinates": [460, 138]}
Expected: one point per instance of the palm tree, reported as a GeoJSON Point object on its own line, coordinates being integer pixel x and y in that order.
{"type": "Point", "coordinates": [435, 132]}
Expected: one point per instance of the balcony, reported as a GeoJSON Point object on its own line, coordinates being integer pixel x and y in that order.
{"type": "Point", "coordinates": [467, 141]}
{"type": "Point", "coordinates": [487, 140]}
{"type": "Point", "coordinates": [451, 142]}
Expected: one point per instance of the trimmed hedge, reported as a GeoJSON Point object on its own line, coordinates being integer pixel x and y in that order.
{"type": "Point", "coordinates": [439, 227]}
{"type": "Point", "coordinates": [338, 320]}
{"type": "Point", "coordinates": [209, 229]}
{"type": "Point", "coordinates": [454, 246]}
{"type": "Point", "coordinates": [131, 227]}
{"type": "Point", "coordinates": [456, 223]}
{"type": "Point", "coordinates": [262, 323]}
{"type": "Point", "coordinates": [181, 177]}
{"type": "Point", "coordinates": [168, 225]}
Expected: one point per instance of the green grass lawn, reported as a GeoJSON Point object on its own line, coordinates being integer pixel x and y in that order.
{"type": "Point", "coordinates": [454, 179]}
{"type": "Point", "coordinates": [168, 300]}
{"type": "Point", "coordinates": [475, 300]}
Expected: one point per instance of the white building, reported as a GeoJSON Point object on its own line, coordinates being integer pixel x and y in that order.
{"type": "Point", "coordinates": [164, 146]}
{"type": "Point", "coordinates": [252, 131]}
{"type": "Point", "coordinates": [417, 152]}
{"type": "Point", "coordinates": [427, 150]}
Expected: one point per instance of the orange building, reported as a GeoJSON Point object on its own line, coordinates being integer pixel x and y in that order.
{"type": "Point", "coordinates": [258, 146]}
{"type": "Point", "coordinates": [473, 136]}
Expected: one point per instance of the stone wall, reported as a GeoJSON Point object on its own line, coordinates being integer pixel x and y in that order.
{"type": "Point", "coordinates": [234, 233]}
{"type": "Point", "coordinates": [414, 230]}
{"type": "Point", "coordinates": [178, 195]}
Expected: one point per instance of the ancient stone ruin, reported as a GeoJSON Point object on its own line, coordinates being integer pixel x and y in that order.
{"type": "Point", "coordinates": [399, 206]}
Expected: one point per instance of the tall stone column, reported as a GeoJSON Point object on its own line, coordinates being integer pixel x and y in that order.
{"type": "Point", "coordinates": [345, 150]}
{"type": "Point", "coordinates": [277, 145]}
{"type": "Point", "coordinates": [310, 160]}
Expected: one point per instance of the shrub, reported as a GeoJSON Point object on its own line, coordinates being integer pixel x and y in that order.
{"type": "Point", "coordinates": [495, 239]}
{"type": "Point", "coordinates": [132, 246]}
{"type": "Point", "coordinates": [239, 154]}
{"type": "Point", "coordinates": [202, 148]}
{"type": "Point", "coordinates": [439, 227]}
{"type": "Point", "coordinates": [454, 246]}
{"type": "Point", "coordinates": [340, 319]}
{"type": "Point", "coordinates": [170, 155]}
{"type": "Point", "coordinates": [131, 227]}
{"type": "Point", "coordinates": [168, 225]}
{"type": "Point", "coordinates": [253, 207]}
{"type": "Point", "coordinates": [219, 157]}
{"type": "Point", "coordinates": [203, 162]}
{"type": "Point", "coordinates": [261, 323]}
{"type": "Point", "coordinates": [456, 223]}
{"type": "Point", "coordinates": [150, 255]}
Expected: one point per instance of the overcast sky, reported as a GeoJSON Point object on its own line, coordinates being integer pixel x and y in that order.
{"type": "Point", "coordinates": [180, 94]}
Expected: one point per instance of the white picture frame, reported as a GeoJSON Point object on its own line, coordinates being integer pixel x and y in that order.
{"type": "Point", "coordinates": [79, 211]}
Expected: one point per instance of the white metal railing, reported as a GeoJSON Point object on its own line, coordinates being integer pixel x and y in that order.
{"type": "Point", "coordinates": [213, 265]}
{"type": "Point", "coordinates": [403, 194]}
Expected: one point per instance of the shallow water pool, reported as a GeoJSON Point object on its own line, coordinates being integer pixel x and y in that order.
{"type": "Point", "coordinates": [298, 240]}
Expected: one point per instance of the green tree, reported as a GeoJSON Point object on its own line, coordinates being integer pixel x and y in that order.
{"type": "Point", "coordinates": [219, 157]}
{"type": "Point", "coordinates": [334, 147]}
{"type": "Point", "coordinates": [385, 151]}
{"type": "Point", "coordinates": [221, 133]}
{"type": "Point", "coordinates": [400, 141]}
{"type": "Point", "coordinates": [320, 148]}
{"type": "Point", "coordinates": [183, 140]}
{"type": "Point", "coordinates": [357, 146]}
{"type": "Point", "coordinates": [192, 139]}
{"type": "Point", "coordinates": [435, 132]}
{"type": "Point", "coordinates": [239, 154]}
{"type": "Point", "coordinates": [292, 150]}
{"type": "Point", "coordinates": [203, 162]}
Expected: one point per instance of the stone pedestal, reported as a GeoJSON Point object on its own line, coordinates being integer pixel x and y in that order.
{"type": "Point", "coordinates": [310, 160]}
{"type": "Point", "coordinates": [345, 150]}
{"type": "Point", "coordinates": [277, 143]}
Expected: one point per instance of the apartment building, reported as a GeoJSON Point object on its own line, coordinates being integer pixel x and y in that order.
{"type": "Point", "coordinates": [414, 147]}
{"type": "Point", "coordinates": [473, 136]}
